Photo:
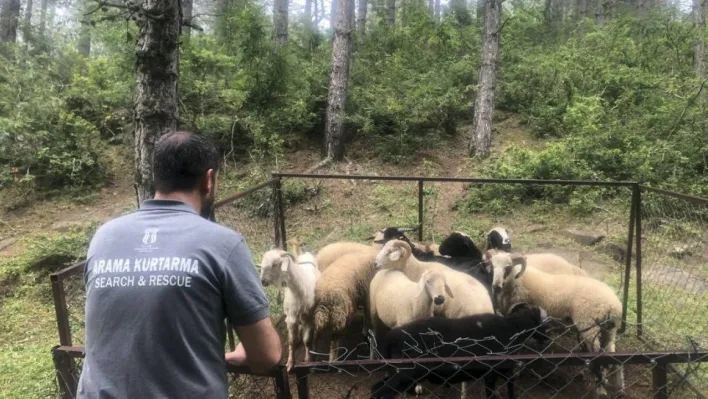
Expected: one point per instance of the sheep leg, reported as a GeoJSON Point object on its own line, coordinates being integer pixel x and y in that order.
{"type": "Point", "coordinates": [490, 381]}
{"type": "Point", "coordinates": [591, 338]}
{"type": "Point", "coordinates": [616, 374]}
{"type": "Point", "coordinates": [307, 338]}
{"type": "Point", "coordinates": [293, 335]}
{"type": "Point", "coordinates": [333, 346]}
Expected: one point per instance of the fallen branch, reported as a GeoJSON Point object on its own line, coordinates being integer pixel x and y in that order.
{"type": "Point", "coordinates": [325, 162]}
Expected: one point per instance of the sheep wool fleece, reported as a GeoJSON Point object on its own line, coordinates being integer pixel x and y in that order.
{"type": "Point", "coordinates": [159, 284]}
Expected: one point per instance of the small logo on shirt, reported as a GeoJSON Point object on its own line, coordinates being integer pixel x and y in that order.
{"type": "Point", "coordinates": [149, 238]}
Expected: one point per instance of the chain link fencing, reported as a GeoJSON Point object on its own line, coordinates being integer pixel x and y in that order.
{"type": "Point", "coordinates": [595, 227]}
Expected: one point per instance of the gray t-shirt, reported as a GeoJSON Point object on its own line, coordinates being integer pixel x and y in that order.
{"type": "Point", "coordinates": [159, 284]}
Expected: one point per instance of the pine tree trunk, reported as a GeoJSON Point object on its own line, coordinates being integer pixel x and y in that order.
{"type": "Point", "coordinates": [187, 11]}
{"type": "Point", "coordinates": [600, 12]}
{"type": "Point", "coordinates": [391, 12]}
{"type": "Point", "coordinates": [699, 51]}
{"type": "Point", "coordinates": [361, 20]}
{"type": "Point", "coordinates": [481, 141]}
{"type": "Point", "coordinates": [308, 13]}
{"type": "Point", "coordinates": [42, 18]}
{"type": "Point", "coordinates": [156, 98]}
{"type": "Point", "coordinates": [27, 25]}
{"type": "Point", "coordinates": [280, 21]}
{"type": "Point", "coordinates": [84, 44]}
{"type": "Point", "coordinates": [337, 96]}
{"type": "Point", "coordinates": [582, 9]}
{"type": "Point", "coordinates": [9, 20]}
{"type": "Point", "coordinates": [547, 17]}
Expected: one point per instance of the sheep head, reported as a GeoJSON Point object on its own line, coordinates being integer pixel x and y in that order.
{"type": "Point", "coordinates": [504, 267]}
{"type": "Point", "coordinates": [274, 267]}
{"type": "Point", "coordinates": [459, 244]}
{"type": "Point", "coordinates": [393, 255]}
{"type": "Point", "coordinates": [434, 284]}
{"type": "Point", "coordinates": [498, 238]}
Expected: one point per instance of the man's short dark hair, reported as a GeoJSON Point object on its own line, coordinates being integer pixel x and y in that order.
{"type": "Point", "coordinates": [181, 160]}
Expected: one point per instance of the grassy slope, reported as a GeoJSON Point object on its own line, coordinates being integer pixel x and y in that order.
{"type": "Point", "coordinates": [319, 212]}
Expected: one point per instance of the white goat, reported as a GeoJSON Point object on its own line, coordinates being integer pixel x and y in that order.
{"type": "Point", "coordinates": [299, 278]}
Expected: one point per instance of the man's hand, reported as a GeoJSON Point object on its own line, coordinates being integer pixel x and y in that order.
{"type": "Point", "coordinates": [261, 346]}
{"type": "Point", "coordinates": [237, 357]}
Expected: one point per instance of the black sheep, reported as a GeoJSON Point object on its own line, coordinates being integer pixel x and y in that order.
{"type": "Point", "coordinates": [478, 335]}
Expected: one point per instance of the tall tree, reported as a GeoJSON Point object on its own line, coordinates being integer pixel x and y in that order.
{"type": "Point", "coordinates": [481, 139]}
{"type": "Point", "coordinates": [280, 21]}
{"type": "Point", "coordinates": [581, 9]}
{"type": "Point", "coordinates": [27, 24]}
{"type": "Point", "coordinates": [699, 51]}
{"type": "Point", "coordinates": [361, 19]}
{"type": "Point", "coordinates": [157, 62]}
{"type": "Point", "coordinates": [334, 5]}
{"type": "Point", "coordinates": [9, 20]}
{"type": "Point", "coordinates": [338, 79]}
{"type": "Point", "coordinates": [42, 18]}
{"type": "Point", "coordinates": [391, 12]}
{"type": "Point", "coordinates": [187, 12]}
{"type": "Point", "coordinates": [600, 12]}
{"type": "Point", "coordinates": [84, 44]}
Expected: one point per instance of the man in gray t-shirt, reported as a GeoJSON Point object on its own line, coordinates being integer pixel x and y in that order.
{"type": "Point", "coordinates": [161, 281]}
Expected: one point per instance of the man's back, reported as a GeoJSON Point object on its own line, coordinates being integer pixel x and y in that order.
{"type": "Point", "coordinates": [159, 284]}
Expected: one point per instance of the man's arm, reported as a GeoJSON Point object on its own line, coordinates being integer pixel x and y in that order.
{"type": "Point", "coordinates": [247, 311]}
{"type": "Point", "coordinates": [260, 347]}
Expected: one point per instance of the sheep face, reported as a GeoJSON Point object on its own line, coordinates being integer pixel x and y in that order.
{"type": "Point", "coordinates": [498, 238]}
{"type": "Point", "coordinates": [393, 255]}
{"type": "Point", "coordinates": [459, 244]}
{"type": "Point", "coordinates": [504, 268]}
{"type": "Point", "coordinates": [273, 267]}
{"type": "Point", "coordinates": [433, 284]}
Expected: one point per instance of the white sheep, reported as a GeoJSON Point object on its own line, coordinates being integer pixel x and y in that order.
{"type": "Point", "coordinates": [395, 300]}
{"type": "Point", "coordinates": [341, 289]}
{"type": "Point", "coordinates": [470, 296]}
{"type": "Point", "coordinates": [299, 277]}
{"type": "Point", "coordinates": [331, 252]}
{"type": "Point", "coordinates": [592, 306]}
{"type": "Point", "coordinates": [546, 262]}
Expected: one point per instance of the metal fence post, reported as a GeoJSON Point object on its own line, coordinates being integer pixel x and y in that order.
{"type": "Point", "coordinates": [659, 381]}
{"type": "Point", "coordinates": [628, 264]}
{"type": "Point", "coordinates": [277, 200]}
{"type": "Point", "coordinates": [420, 210]}
{"type": "Point", "coordinates": [64, 367]}
{"type": "Point", "coordinates": [638, 260]}
{"type": "Point", "coordinates": [62, 311]}
{"type": "Point", "coordinates": [303, 388]}
{"type": "Point", "coordinates": [282, 386]}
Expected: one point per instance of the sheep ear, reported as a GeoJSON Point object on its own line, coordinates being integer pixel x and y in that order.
{"type": "Point", "coordinates": [395, 255]}
{"type": "Point", "coordinates": [519, 260]}
{"type": "Point", "coordinates": [487, 265]}
{"type": "Point", "coordinates": [421, 286]}
{"type": "Point", "coordinates": [448, 291]}
{"type": "Point", "coordinates": [284, 262]}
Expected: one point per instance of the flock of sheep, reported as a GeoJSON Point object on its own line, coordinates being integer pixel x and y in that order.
{"type": "Point", "coordinates": [461, 293]}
